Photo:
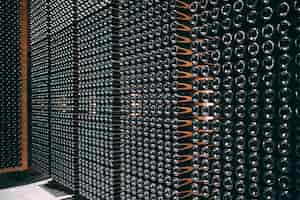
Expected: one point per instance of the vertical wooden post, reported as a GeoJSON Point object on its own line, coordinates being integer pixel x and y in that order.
{"type": "Point", "coordinates": [24, 44]}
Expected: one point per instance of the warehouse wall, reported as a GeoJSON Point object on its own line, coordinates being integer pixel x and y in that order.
{"type": "Point", "coordinates": [172, 99]}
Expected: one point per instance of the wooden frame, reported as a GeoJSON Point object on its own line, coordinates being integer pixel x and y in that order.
{"type": "Point", "coordinates": [24, 44]}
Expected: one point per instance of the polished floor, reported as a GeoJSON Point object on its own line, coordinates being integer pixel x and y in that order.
{"type": "Point", "coordinates": [34, 191]}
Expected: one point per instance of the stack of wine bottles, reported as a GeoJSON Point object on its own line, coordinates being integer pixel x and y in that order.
{"type": "Point", "coordinates": [40, 85]}
{"type": "Point", "coordinates": [99, 133]}
{"type": "Point", "coordinates": [10, 86]}
{"type": "Point", "coordinates": [148, 86]}
{"type": "Point", "coordinates": [62, 93]}
{"type": "Point", "coordinates": [199, 96]}
{"type": "Point", "coordinates": [172, 99]}
{"type": "Point", "coordinates": [294, 59]}
{"type": "Point", "coordinates": [252, 43]}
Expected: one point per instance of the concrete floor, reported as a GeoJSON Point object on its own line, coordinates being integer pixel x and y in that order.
{"type": "Point", "coordinates": [30, 192]}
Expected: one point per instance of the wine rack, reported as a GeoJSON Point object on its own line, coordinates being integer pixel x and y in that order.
{"type": "Point", "coordinates": [99, 134]}
{"type": "Point", "coordinates": [63, 98]}
{"type": "Point", "coordinates": [13, 85]}
{"type": "Point", "coordinates": [169, 99]}
{"type": "Point", "coordinates": [40, 59]}
{"type": "Point", "coordinates": [148, 91]}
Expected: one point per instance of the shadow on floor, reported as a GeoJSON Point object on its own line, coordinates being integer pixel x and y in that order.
{"type": "Point", "coordinates": [20, 178]}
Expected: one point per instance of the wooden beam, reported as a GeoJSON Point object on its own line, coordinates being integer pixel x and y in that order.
{"type": "Point", "coordinates": [24, 44]}
{"type": "Point", "coordinates": [10, 170]}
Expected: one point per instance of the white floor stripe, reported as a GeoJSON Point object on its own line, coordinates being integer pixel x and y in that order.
{"type": "Point", "coordinates": [64, 197]}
